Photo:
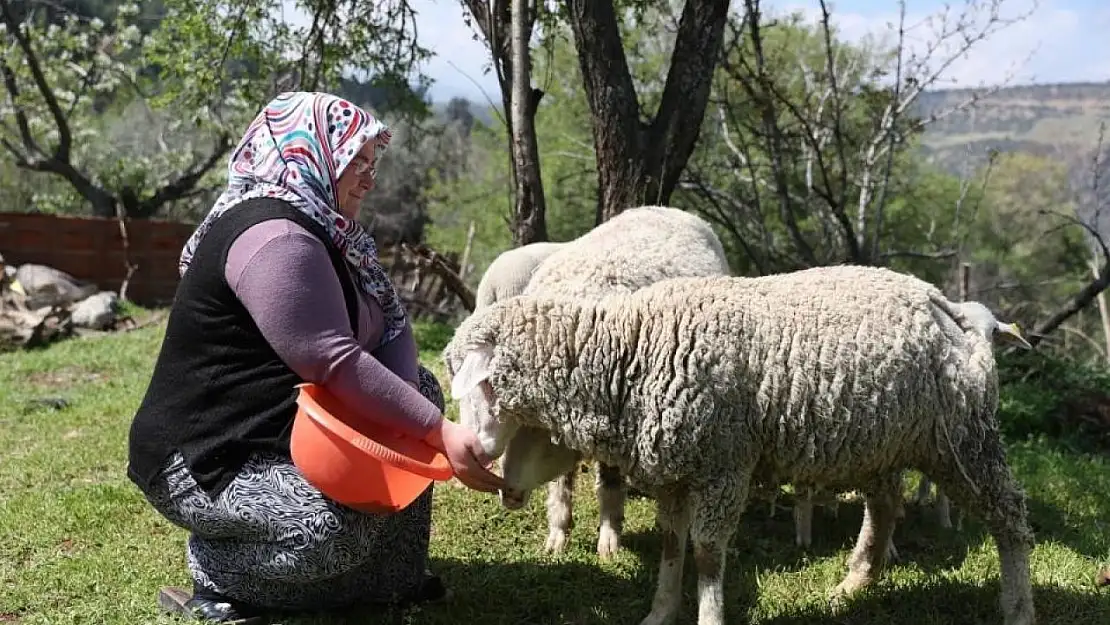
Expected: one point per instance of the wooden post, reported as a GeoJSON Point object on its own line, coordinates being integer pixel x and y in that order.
{"type": "Point", "coordinates": [965, 280]}
{"type": "Point", "coordinates": [464, 263]}
{"type": "Point", "coordinates": [1103, 311]}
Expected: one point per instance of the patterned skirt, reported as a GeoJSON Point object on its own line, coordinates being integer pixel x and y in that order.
{"type": "Point", "coordinates": [270, 539]}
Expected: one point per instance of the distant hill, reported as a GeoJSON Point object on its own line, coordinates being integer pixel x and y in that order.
{"type": "Point", "coordinates": [1050, 120]}
{"type": "Point", "coordinates": [1058, 120]}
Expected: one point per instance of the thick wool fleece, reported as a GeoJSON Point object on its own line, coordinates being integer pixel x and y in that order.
{"type": "Point", "coordinates": [819, 377]}
{"type": "Point", "coordinates": [696, 387]}
{"type": "Point", "coordinates": [634, 249]}
{"type": "Point", "coordinates": [510, 272]}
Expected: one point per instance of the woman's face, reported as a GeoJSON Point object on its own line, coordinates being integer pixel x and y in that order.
{"type": "Point", "coordinates": [356, 181]}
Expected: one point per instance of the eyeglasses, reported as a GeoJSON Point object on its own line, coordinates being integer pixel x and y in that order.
{"type": "Point", "coordinates": [362, 166]}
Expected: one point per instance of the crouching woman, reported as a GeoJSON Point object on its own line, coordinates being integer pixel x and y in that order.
{"type": "Point", "coordinates": [281, 285]}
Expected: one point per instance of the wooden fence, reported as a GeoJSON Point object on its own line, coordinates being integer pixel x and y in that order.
{"type": "Point", "coordinates": [92, 249]}
{"type": "Point", "coordinates": [427, 282]}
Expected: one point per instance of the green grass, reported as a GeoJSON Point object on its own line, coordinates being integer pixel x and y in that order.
{"type": "Point", "coordinates": [78, 544]}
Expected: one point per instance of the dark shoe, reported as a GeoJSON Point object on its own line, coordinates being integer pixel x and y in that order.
{"type": "Point", "coordinates": [204, 607]}
{"type": "Point", "coordinates": [431, 590]}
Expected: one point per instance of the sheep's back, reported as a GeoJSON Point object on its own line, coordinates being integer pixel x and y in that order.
{"type": "Point", "coordinates": [818, 376]}
{"type": "Point", "coordinates": [509, 273]}
{"type": "Point", "coordinates": [636, 248]}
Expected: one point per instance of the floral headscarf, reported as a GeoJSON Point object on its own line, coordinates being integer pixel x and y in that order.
{"type": "Point", "coordinates": [295, 150]}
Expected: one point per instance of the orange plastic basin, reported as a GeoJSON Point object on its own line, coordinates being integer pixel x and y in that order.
{"type": "Point", "coordinates": [358, 463]}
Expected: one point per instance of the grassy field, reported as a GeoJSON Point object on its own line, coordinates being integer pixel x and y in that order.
{"type": "Point", "coordinates": [78, 544]}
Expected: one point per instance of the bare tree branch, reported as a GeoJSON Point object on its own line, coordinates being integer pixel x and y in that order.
{"type": "Point", "coordinates": [1101, 280]}
{"type": "Point", "coordinates": [829, 127]}
{"type": "Point", "coordinates": [35, 157]}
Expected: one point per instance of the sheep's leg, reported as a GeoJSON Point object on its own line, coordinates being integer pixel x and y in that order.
{"type": "Point", "coordinates": [716, 511]}
{"type": "Point", "coordinates": [899, 514]}
{"type": "Point", "coordinates": [1000, 502]}
{"type": "Point", "coordinates": [803, 516]}
{"type": "Point", "coordinates": [943, 509]}
{"type": "Point", "coordinates": [610, 498]}
{"type": "Point", "coordinates": [560, 511]}
{"type": "Point", "coordinates": [673, 520]}
{"type": "Point", "coordinates": [923, 488]}
{"type": "Point", "coordinates": [880, 513]}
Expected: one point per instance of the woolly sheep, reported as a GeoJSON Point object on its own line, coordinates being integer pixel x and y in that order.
{"type": "Point", "coordinates": [698, 388]}
{"type": "Point", "coordinates": [510, 272]}
{"type": "Point", "coordinates": [990, 328]}
{"type": "Point", "coordinates": [632, 250]}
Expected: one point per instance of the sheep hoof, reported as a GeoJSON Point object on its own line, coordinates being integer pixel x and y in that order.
{"type": "Point", "coordinates": [556, 541]}
{"type": "Point", "coordinates": [944, 520]}
{"type": "Point", "coordinates": [853, 583]}
{"type": "Point", "coordinates": [608, 542]}
{"type": "Point", "coordinates": [657, 617]}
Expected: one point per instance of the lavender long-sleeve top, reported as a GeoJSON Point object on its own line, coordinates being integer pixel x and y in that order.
{"type": "Point", "coordinates": [285, 279]}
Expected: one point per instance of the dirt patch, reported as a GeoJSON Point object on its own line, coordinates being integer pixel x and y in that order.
{"type": "Point", "coordinates": [64, 376]}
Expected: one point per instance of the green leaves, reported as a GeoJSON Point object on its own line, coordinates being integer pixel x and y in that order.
{"type": "Point", "coordinates": [145, 89]}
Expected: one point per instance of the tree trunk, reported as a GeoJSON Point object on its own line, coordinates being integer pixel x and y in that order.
{"type": "Point", "coordinates": [529, 225]}
{"type": "Point", "coordinates": [640, 163]}
{"type": "Point", "coordinates": [512, 63]}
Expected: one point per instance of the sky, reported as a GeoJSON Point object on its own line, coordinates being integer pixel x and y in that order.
{"type": "Point", "coordinates": [1061, 41]}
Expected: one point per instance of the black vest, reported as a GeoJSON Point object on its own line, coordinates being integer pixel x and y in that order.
{"type": "Point", "coordinates": [218, 391]}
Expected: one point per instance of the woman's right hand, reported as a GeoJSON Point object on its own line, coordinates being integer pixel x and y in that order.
{"type": "Point", "coordinates": [464, 452]}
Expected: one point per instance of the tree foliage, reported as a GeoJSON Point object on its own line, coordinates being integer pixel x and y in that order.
{"type": "Point", "coordinates": [807, 150]}
{"type": "Point", "coordinates": [135, 117]}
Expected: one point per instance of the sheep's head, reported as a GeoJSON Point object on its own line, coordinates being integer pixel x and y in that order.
{"type": "Point", "coordinates": [531, 460]}
{"type": "Point", "coordinates": [471, 386]}
{"type": "Point", "coordinates": [990, 327]}
{"type": "Point", "coordinates": [471, 360]}
{"type": "Point", "coordinates": [477, 364]}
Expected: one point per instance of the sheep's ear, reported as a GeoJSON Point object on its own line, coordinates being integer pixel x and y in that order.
{"type": "Point", "coordinates": [1014, 332]}
{"type": "Point", "coordinates": [475, 369]}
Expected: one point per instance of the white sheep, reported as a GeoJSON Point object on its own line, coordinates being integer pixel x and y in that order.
{"type": "Point", "coordinates": [698, 388]}
{"type": "Point", "coordinates": [990, 328]}
{"type": "Point", "coordinates": [632, 250]}
{"type": "Point", "coordinates": [510, 272]}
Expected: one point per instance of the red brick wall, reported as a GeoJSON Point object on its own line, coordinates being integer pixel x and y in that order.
{"type": "Point", "coordinates": [92, 249]}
